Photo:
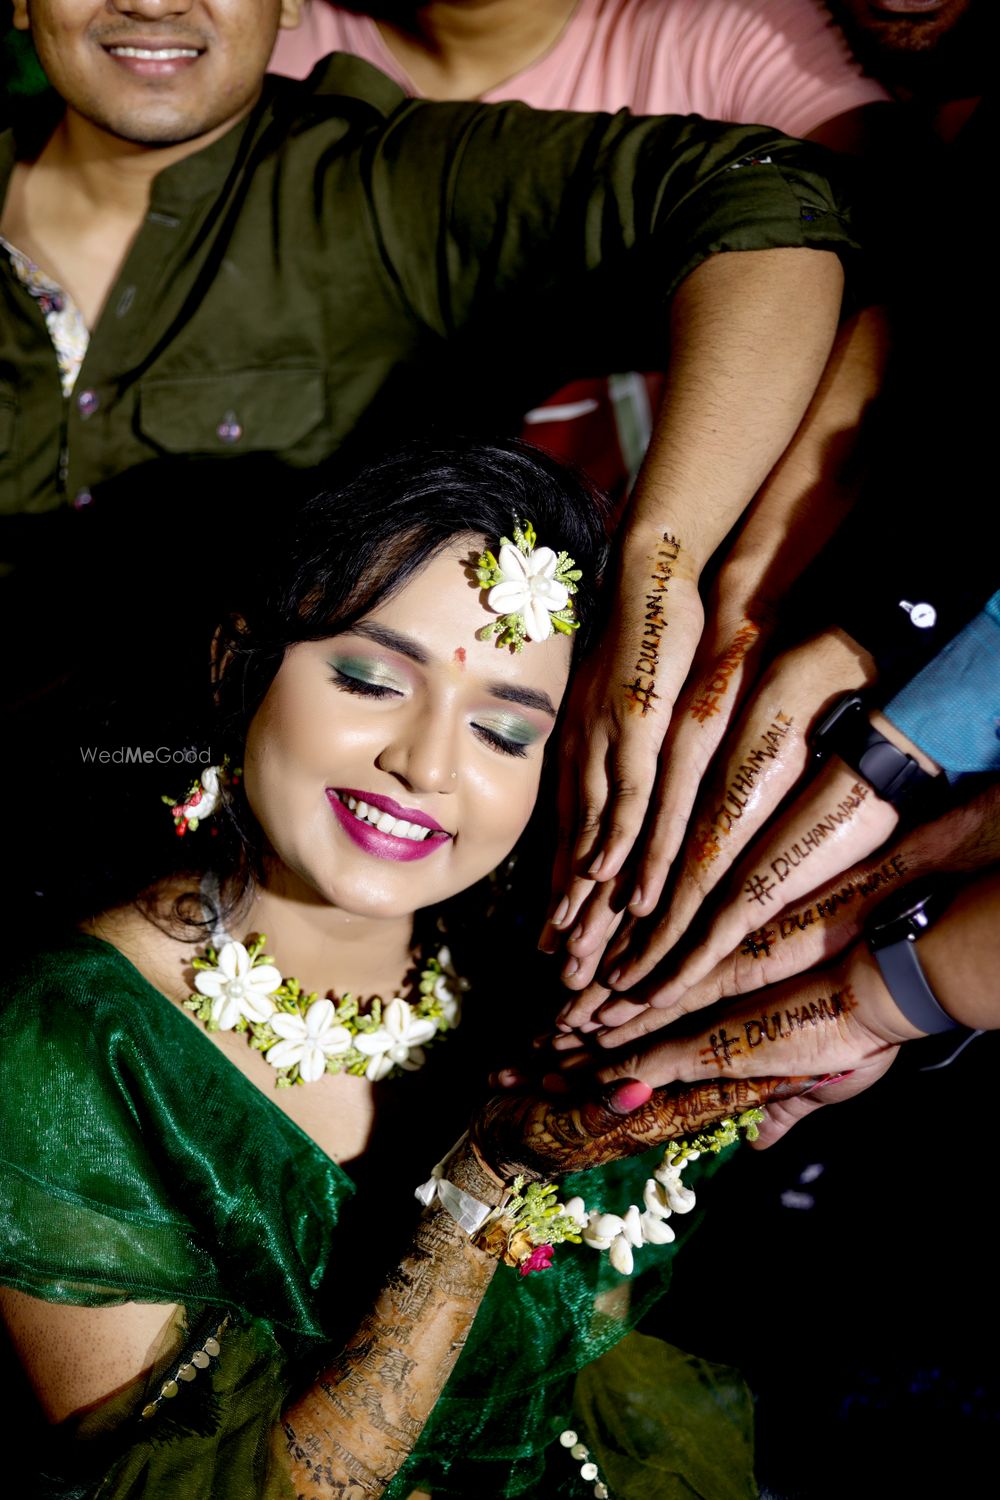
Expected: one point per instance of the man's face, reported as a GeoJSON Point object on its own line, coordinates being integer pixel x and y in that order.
{"type": "Point", "coordinates": [154, 72]}
{"type": "Point", "coordinates": [900, 26]}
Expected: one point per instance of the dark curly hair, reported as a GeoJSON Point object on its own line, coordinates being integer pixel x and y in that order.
{"type": "Point", "coordinates": [293, 570]}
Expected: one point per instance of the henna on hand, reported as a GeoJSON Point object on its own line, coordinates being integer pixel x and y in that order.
{"type": "Point", "coordinates": [523, 1135]}
{"type": "Point", "coordinates": [350, 1432]}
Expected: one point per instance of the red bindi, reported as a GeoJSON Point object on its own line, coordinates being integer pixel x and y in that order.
{"type": "Point", "coordinates": [460, 655]}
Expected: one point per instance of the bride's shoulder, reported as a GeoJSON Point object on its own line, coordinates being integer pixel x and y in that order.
{"type": "Point", "coordinates": [103, 966]}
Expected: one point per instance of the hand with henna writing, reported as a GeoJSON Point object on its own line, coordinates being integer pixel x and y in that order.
{"type": "Point", "coordinates": [727, 657]}
{"type": "Point", "coordinates": [963, 840]}
{"type": "Point", "coordinates": [830, 1022]}
{"type": "Point", "coordinates": [618, 714]}
{"type": "Point", "coordinates": [838, 1020]}
{"type": "Point", "coordinates": [814, 930]}
{"type": "Point", "coordinates": [835, 822]}
{"type": "Point", "coordinates": [521, 1134]}
{"type": "Point", "coordinates": [759, 764]}
{"type": "Point", "coordinates": [795, 512]}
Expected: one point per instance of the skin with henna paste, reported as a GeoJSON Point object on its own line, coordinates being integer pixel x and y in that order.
{"type": "Point", "coordinates": [780, 1026]}
{"type": "Point", "coordinates": [836, 822]}
{"type": "Point", "coordinates": [761, 885]}
{"type": "Point", "coordinates": [640, 694]}
{"type": "Point", "coordinates": [715, 687]}
{"type": "Point", "coordinates": [362, 1417]}
{"type": "Point", "coordinates": [734, 800]}
{"type": "Point", "coordinates": [758, 944]}
{"type": "Point", "coordinates": [538, 1138]}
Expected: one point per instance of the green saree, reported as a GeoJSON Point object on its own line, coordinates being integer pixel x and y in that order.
{"type": "Point", "coordinates": [138, 1164]}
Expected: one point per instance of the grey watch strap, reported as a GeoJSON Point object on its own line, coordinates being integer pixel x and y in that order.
{"type": "Point", "coordinates": [905, 980]}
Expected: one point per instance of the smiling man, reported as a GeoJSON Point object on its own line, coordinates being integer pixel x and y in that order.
{"type": "Point", "coordinates": [201, 262]}
{"type": "Point", "coordinates": [198, 261]}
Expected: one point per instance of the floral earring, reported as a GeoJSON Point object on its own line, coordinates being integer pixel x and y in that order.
{"type": "Point", "coordinates": [203, 797]}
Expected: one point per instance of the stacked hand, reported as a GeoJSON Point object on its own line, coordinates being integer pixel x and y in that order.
{"type": "Point", "coordinates": [524, 1134]}
{"type": "Point", "coordinates": [763, 758]}
{"type": "Point", "coordinates": [780, 1014]}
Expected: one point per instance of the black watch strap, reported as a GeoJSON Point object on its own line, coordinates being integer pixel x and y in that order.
{"type": "Point", "coordinates": [907, 984]}
{"type": "Point", "coordinates": [889, 771]}
{"type": "Point", "coordinates": [892, 931]}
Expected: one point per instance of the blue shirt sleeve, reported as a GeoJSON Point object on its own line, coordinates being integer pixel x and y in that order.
{"type": "Point", "coordinates": [951, 708]}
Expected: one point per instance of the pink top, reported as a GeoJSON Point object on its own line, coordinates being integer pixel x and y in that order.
{"type": "Point", "coordinates": [781, 63]}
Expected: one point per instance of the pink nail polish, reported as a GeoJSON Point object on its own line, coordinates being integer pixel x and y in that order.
{"type": "Point", "coordinates": [613, 978]}
{"type": "Point", "coordinates": [827, 1080]}
{"type": "Point", "coordinates": [630, 1095]}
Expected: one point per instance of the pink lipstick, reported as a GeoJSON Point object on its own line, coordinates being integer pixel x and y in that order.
{"type": "Point", "coordinates": [382, 827]}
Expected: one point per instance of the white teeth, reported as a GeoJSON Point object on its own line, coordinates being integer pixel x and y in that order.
{"type": "Point", "coordinates": [385, 822]}
{"type": "Point", "coordinates": [154, 54]}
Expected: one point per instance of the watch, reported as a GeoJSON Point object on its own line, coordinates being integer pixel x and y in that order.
{"type": "Point", "coordinates": [889, 771]}
{"type": "Point", "coordinates": [892, 931]}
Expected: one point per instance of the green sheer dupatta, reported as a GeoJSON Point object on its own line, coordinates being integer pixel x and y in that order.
{"type": "Point", "coordinates": [495, 1429]}
{"type": "Point", "coordinates": [138, 1164]}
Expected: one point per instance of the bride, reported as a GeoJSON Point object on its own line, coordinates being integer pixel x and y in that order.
{"type": "Point", "coordinates": [220, 1094]}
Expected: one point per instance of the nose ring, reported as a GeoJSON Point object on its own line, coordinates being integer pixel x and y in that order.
{"type": "Point", "coordinates": [454, 776]}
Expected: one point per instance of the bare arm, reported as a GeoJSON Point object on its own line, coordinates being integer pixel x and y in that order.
{"type": "Point", "coordinates": [76, 1356]}
{"type": "Point", "coordinates": [361, 1418]}
{"type": "Point", "coordinates": [750, 336]}
{"type": "Point", "coordinates": [352, 1430]}
{"type": "Point", "coordinates": [808, 493]}
{"type": "Point", "coordinates": [363, 1415]}
{"type": "Point", "coordinates": [839, 1018]}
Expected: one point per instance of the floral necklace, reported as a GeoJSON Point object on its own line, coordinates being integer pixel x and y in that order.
{"type": "Point", "coordinates": [302, 1036]}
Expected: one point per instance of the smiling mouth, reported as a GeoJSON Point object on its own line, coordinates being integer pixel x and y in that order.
{"type": "Point", "coordinates": [376, 817]}
{"type": "Point", "coordinates": [154, 54]}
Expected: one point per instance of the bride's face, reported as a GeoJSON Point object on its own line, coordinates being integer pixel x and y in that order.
{"type": "Point", "coordinates": [396, 764]}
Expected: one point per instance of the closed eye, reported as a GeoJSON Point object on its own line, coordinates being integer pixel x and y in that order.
{"type": "Point", "coordinates": [361, 687]}
{"type": "Point", "coordinates": [500, 741]}
{"type": "Point", "coordinates": [518, 741]}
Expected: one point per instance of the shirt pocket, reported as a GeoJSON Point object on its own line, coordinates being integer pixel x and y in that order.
{"type": "Point", "coordinates": [246, 411]}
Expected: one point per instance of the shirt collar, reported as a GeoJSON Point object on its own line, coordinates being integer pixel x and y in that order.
{"type": "Point", "coordinates": [340, 76]}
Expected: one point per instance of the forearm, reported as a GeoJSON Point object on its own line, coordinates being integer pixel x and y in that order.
{"type": "Point", "coordinates": [358, 1423]}
{"type": "Point", "coordinates": [750, 336]}
{"type": "Point", "coordinates": [960, 955]}
{"type": "Point", "coordinates": [816, 481]}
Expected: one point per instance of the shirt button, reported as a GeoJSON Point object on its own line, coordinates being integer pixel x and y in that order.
{"type": "Point", "coordinates": [923, 616]}
{"type": "Point", "coordinates": [87, 403]}
{"type": "Point", "coordinates": [229, 430]}
{"type": "Point", "coordinates": [82, 499]}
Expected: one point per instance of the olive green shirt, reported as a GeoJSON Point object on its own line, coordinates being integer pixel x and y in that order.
{"type": "Point", "coordinates": [346, 258]}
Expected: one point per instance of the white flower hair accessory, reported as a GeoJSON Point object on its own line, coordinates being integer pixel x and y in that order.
{"type": "Point", "coordinates": [530, 588]}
